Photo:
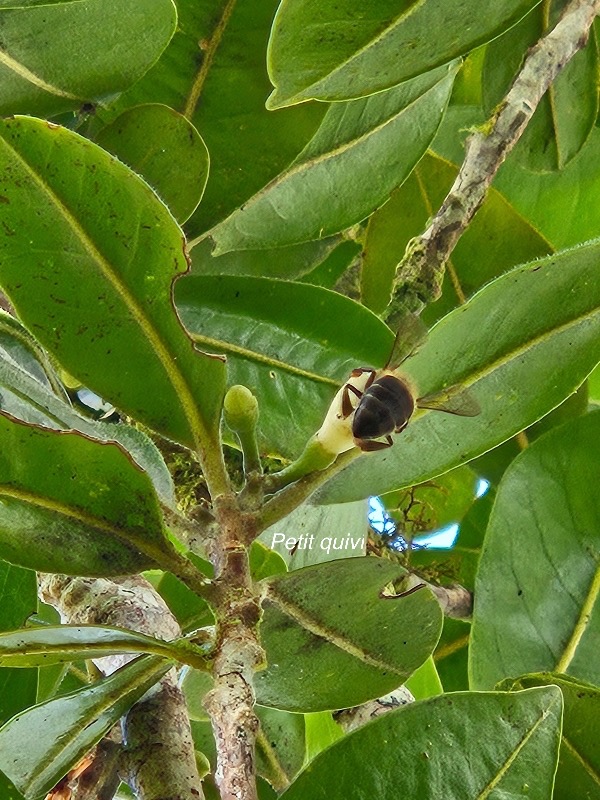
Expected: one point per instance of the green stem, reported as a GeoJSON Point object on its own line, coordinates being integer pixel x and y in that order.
{"type": "Point", "coordinates": [289, 498]}
{"type": "Point", "coordinates": [314, 458]}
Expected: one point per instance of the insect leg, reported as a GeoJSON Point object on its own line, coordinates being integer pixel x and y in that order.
{"type": "Point", "coordinates": [369, 445]}
{"type": "Point", "coordinates": [356, 373]}
{"type": "Point", "coordinates": [347, 407]}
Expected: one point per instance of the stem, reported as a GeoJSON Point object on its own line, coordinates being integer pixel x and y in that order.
{"type": "Point", "coordinates": [420, 273]}
{"type": "Point", "coordinates": [238, 654]}
{"type": "Point", "coordinates": [289, 498]}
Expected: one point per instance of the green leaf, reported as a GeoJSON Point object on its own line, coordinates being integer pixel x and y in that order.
{"type": "Point", "coordinates": [8, 790]}
{"type": "Point", "coordinates": [18, 596]}
{"type": "Point", "coordinates": [91, 271]}
{"type": "Point", "coordinates": [20, 349]}
{"type": "Point", "coordinates": [498, 239]}
{"type": "Point", "coordinates": [109, 46]}
{"type": "Point", "coordinates": [31, 391]}
{"type": "Point", "coordinates": [314, 534]}
{"type": "Point", "coordinates": [321, 731]}
{"type": "Point", "coordinates": [508, 748]}
{"type": "Point", "coordinates": [425, 682]}
{"type": "Point", "coordinates": [190, 610]}
{"type": "Point", "coordinates": [578, 773]}
{"type": "Point", "coordinates": [492, 465]}
{"type": "Point", "coordinates": [214, 73]}
{"type": "Point", "coordinates": [567, 112]}
{"type": "Point", "coordinates": [286, 263]}
{"type": "Point", "coordinates": [594, 385]}
{"type": "Point", "coordinates": [340, 50]}
{"type": "Point", "coordinates": [536, 326]}
{"type": "Point", "coordinates": [280, 745]}
{"type": "Point", "coordinates": [39, 746]}
{"type": "Point", "coordinates": [325, 655]}
{"type": "Point", "coordinates": [451, 655]}
{"type": "Point", "coordinates": [18, 600]}
{"type": "Point", "coordinates": [290, 343]}
{"type": "Point", "coordinates": [165, 149]}
{"type": "Point", "coordinates": [536, 596]}
{"type": "Point", "coordinates": [264, 562]}
{"type": "Point", "coordinates": [74, 505]}
{"type": "Point", "coordinates": [59, 644]}
{"type": "Point", "coordinates": [346, 171]}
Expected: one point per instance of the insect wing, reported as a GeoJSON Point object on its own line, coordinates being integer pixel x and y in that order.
{"type": "Point", "coordinates": [453, 400]}
{"type": "Point", "coordinates": [410, 335]}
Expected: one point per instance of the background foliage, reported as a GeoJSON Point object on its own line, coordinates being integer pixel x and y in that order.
{"type": "Point", "coordinates": [182, 181]}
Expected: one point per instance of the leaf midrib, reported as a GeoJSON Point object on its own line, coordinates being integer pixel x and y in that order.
{"type": "Point", "coordinates": [313, 625]}
{"type": "Point", "coordinates": [82, 517]}
{"type": "Point", "coordinates": [26, 74]}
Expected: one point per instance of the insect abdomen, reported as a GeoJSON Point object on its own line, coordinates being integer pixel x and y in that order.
{"type": "Point", "coordinates": [386, 406]}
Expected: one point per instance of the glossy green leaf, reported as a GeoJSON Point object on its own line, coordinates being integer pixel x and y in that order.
{"type": "Point", "coordinates": [18, 600]}
{"type": "Point", "coordinates": [346, 171]}
{"type": "Point", "coordinates": [91, 271]}
{"type": "Point", "coordinates": [536, 326]}
{"type": "Point", "coordinates": [286, 263]}
{"type": "Point", "coordinates": [280, 745]}
{"type": "Point", "coordinates": [493, 464]}
{"type": "Point", "coordinates": [264, 562]}
{"type": "Point", "coordinates": [59, 644]}
{"type": "Point", "coordinates": [290, 343]}
{"type": "Point", "coordinates": [578, 773]}
{"type": "Point", "coordinates": [8, 789]}
{"type": "Point", "coordinates": [425, 682]}
{"type": "Point", "coordinates": [321, 731]}
{"type": "Point", "coordinates": [18, 596]}
{"type": "Point", "coordinates": [326, 654]}
{"type": "Point", "coordinates": [190, 610]}
{"type": "Point", "coordinates": [536, 596]}
{"type": "Point", "coordinates": [405, 753]}
{"type": "Point", "coordinates": [214, 72]}
{"type": "Point", "coordinates": [497, 239]}
{"type": "Point", "coordinates": [74, 505]}
{"type": "Point", "coordinates": [110, 45]}
{"type": "Point", "coordinates": [31, 391]}
{"type": "Point", "coordinates": [567, 112]}
{"type": "Point", "coordinates": [39, 746]}
{"type": "Point", "coordinates": [314, 534]}
{"type": "Point", "coordinates": [165, 149]}
{"type": "Point", "coordinates": [340, 50]}
{"type": "Point", "coordinates": [451, 655]}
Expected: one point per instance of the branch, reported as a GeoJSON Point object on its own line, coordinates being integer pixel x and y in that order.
{"type": "Point", "coordinates": [420, 273]}
{"type": "Point", "coordinates": [352, 718]}
{"type": "Point", "coordinates": [160, 750]}
{"type": "Point", "coordinates": [230, 702]}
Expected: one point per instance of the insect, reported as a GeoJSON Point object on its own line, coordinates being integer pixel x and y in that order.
{"type": "Point", "coordinates": [388, 400]}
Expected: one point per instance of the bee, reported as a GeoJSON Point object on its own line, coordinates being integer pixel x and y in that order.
{"type": "Point", "coordinates": [388, 400]}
